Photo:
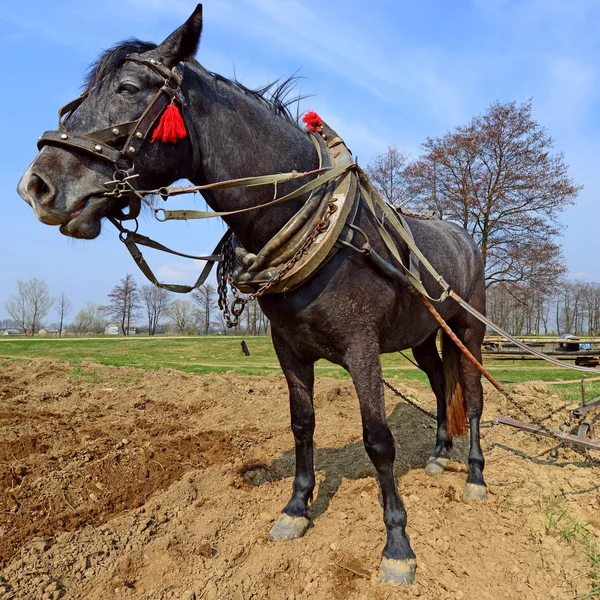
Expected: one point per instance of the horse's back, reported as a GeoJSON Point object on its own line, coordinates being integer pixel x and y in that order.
{"type": "Point", "coordinates": [453, 254]}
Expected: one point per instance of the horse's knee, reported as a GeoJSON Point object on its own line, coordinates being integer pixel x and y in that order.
{"type": "Point", "coordinates": [380, 446]}
{"type": "Point", "coordinates": [303, 426]}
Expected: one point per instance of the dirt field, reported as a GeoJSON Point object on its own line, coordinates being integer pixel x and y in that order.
{"type": "Point", "coordinates": [125, 483]}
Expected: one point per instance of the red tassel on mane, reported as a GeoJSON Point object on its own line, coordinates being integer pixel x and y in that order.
{"type": "Point", "coordinates": [313, 121]}
{"type": "Point", "coordinates": [171, 126]}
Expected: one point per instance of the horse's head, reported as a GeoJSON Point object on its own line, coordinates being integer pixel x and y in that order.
{"type": "Point", "coordinates": [106, 135]}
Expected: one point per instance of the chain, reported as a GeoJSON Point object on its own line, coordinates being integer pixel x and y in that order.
{"type": "Point", "coordinates": [492, 422]}
{"type": "Point", "coordinates": [409, 400]}
{"type": "Point", "coordinates": [225, 269]}
{"type": "Point", "coordinates": [584, 453]}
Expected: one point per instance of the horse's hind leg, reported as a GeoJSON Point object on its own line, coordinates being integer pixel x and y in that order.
{"type": "Point", "coordinates": [398, 563]}
{"type": "Point", "coordinates": [299, 375]}
{"type": "Point", "coordinates": [428, 359]}
{"type": "Point", "coordinates": [470, 332]}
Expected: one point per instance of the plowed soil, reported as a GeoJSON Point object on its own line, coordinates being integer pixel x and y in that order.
{"type": "Point", "coordinates": [126, 483]}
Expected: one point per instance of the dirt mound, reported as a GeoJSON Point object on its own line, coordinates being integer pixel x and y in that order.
{"type": "Point", "coordinates": [125, 483]}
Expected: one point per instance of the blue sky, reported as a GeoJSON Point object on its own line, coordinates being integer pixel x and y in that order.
{"type": "Point", "coordinates": [392, 72]}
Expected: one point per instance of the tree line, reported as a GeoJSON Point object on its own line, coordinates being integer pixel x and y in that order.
{"type": "Point", "coordinates": [500, 178]}
{"type": "Point", "coordinates": [130, 307]}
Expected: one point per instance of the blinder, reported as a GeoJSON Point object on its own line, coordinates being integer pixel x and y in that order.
{"type": "Point", "coordinates": [108, 145]}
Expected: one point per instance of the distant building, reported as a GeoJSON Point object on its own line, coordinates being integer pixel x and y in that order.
{"type": "Point", "coordinates": [113, 329]}
{"type": "Point", "coordinates": [10, 331]}
{"type": "Point", "coordinates": [48, 331]}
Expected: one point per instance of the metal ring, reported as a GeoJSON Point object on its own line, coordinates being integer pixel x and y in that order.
{"type": "Point", "coordinates": [163, 192]}
{"type": "Point", "coordinates": [237, 306]}
{"type": "Point", "coordinates": [156, 211]}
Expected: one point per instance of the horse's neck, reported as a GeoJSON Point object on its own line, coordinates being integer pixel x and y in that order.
{"type": "Point", "coordinates": [242, 138]}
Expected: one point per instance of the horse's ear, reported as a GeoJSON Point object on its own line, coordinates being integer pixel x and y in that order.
{"type": "Point", "coordinates": [183, 42]}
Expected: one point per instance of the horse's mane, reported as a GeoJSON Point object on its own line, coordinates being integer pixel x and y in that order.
{"type": "Point", "coordinates": [112, 59]}
{"type": "Point", "coordinates": [276, 96]}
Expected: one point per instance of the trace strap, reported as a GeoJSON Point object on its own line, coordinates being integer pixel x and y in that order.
{"type": "Point", "coordinates": [132, 238]}
{"type": "Point", "coordinates": [181, 215]}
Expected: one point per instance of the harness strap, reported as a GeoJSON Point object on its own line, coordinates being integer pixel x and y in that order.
{"type": "Point", "coordinates": [98, 143]}
{"type": "Point", "coordinates": [177, 215]}
{"type": "Point", "coordinates": [131, 239]}
{"type": "Point", "coordinates": [86, 144]}
{"type": "Point", "coordinates": [370, 193]}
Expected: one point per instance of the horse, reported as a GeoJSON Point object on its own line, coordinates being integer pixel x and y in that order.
{"type": "Point", "coordinates": [347, 311]}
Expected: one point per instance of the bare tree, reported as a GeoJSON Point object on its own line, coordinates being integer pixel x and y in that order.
{"type": "Point", "coordinates": [185, 316]}
{"type": "Point", "coordinates": [30, 305]}
{"type": "Point", "coordinates": [124, 302]}
{"type": "Point", "coordinates": [155, 301]}
{"type": "Point", "coordinates": [386, 172]}
{"type": "Point", "coordinates": [256, 321]}
{"type": "Point", "coordinates": [498, 178]}
{"type": "Point", "coordinates": [89, 320]}
{"type": "Point", "coordinates": [205, 297]}
{"type": "Point", "coordinates": [62, 308]}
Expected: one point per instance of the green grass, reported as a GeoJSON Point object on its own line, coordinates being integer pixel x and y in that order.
{"type": "Point", "coordinates": [220, 354]}
{"type": "Point", "coordinates": [571, 530]}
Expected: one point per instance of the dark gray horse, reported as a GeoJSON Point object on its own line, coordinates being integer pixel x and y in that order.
{"type": "Point", "coordinates": [347, 313]}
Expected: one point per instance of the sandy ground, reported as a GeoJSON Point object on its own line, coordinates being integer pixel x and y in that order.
{"type": "Point", "coordinates": [125, 483]}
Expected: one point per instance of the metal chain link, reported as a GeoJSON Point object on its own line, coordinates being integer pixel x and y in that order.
{"type": "Point", "coordinates": [226, 266]}
{"type": "Point", "coordinates": [224, 270]}
{"type": "Point", "coordinates": [584, 453]}
{"type": "Point", "coordinates": [493, 422]}
{"type": "Point", "coordinates": [409, 400]}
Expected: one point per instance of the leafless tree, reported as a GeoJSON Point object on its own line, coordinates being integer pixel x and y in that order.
{"type": "Point", "coordinates": [205, 297]}
{"type": "Point", "coordinates": [155, 301]}
{"type": "Point", "coordinates": [498, 178]}
{"type": "Point", "coordinates": [30, 304]}
{"type": "Point", "coordinates": [124, 303]}
{"type": "Point", "coordinates": [256, 323]}
{"type": "Point", "coordinates": [185, 316]}
{"type": "Point", "coordinates": [62, 308]}
{"type": "Point", "coordinates": [89, 320]}
{"type": "Point", "coordinates": [386, 172]}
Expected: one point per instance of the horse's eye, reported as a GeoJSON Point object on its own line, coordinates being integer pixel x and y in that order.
{"type": "Point", "coordinates": [128, 88]}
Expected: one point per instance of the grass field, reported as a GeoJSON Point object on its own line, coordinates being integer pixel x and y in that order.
{"type": "Point", "coordinates": [205, 354]}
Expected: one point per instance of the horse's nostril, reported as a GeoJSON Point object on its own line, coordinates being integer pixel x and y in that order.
{"type": "Point", "coordinates": [40, 190]}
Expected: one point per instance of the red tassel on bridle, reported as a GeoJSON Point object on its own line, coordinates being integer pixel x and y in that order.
{"type": "Point", "coordinates": [313, 121]}
{"type": "Point", "coordinates": [171, 126]}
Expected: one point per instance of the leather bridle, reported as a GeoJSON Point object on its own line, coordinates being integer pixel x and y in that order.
{"type": "Point", "coordinates": [120, 144]}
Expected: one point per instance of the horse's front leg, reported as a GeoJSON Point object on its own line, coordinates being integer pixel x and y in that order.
{"type": "Point", "coordinates": [398, 564]}
{"type": "Point", "coordinates": [299, 375]}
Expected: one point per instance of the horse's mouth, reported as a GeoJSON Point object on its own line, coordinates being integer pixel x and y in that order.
{"type": "Point", "coordinates": [84, 221]}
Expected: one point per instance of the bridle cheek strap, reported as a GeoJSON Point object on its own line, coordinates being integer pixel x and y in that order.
{"type": "Point", "coordinates": [164, 111]}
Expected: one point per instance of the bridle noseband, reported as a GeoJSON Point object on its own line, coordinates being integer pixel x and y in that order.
{"type": "Point", "coordinates": [108, 145]}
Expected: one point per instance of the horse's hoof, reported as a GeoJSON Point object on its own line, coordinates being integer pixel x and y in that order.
{"type": "Point", "coordinates": [289, 528]}
{"type": "Point", "coordinates": [474, 491]}
{"type": "Point", "coordinates": [436, 465]}
{"type": "Point", "coordinates": [397, 571]}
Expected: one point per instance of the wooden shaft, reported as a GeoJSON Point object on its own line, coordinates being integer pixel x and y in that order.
{"type": "Point", "coordinates": [463, 348]}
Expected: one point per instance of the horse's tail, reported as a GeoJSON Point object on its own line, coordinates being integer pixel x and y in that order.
{"type": "Point", "coordinates": [456, 410]}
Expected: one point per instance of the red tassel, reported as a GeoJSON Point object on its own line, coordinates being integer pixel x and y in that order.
{"type": "Point", "coordinates": [313, 121]}
{"type": "Point", "coordinates": [171, 126]}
